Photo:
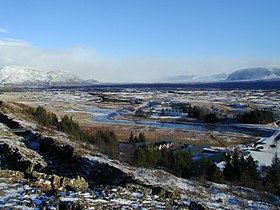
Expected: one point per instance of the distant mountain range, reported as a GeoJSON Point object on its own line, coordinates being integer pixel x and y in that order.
{"type": "Point", "coordinates": [248, 74]}
{"type": "Point", "coordinates": [23, 76]}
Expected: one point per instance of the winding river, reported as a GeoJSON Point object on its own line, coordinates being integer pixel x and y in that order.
{"type": "Point", "coordinates": [105, 115]}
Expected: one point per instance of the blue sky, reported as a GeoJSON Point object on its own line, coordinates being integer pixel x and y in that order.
{"type": "Point", "coordinates": [129, 40]}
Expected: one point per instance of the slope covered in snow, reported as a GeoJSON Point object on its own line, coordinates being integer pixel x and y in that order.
{"type": "Point", "coordinates": [251, 74]}
{"type": "Point", "coordinates": [23, 76]}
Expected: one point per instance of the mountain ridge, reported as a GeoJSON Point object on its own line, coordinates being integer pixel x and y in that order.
{"type": "Point", "coordinates": [26, 76]}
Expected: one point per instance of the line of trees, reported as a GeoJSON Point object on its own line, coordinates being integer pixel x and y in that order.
{"type": "Point", "coordinates": [257, 117]}
{"type": "Point", "coordinates": [253, 117]}
{"type": "Point", "coordinates": [244, 171]}
{"type": "Point", "coordinates": [238, 170]}
{"type": "Point", "coordinates": [66, 124]}
{"type": "Point", "coordinates": [179, 163]}
{"type": "Point", "coordinates": [106, 140]}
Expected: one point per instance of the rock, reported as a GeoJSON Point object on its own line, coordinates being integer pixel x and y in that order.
{"type": "Point", "coordinates": [16, 156]}
{"type": "Point", "coordinates": [58, 182]}
{"type": "Point", "coordinates": [43, 184]}
{"type": "Point", "coordinates": [76, 184]}
{"type": "Point", "coordinates": [148, 191]}
{"type": "Point", "coordinates": [196, 206]}
{"type": "Point", "coordinates": [15, 175]}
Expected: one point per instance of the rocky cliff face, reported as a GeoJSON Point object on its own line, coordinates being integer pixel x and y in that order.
{"type": "Point", "coordinates": [43, 170]}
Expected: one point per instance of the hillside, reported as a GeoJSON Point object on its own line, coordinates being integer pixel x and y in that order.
{"type": "Point", "coordinates": [251, 74]}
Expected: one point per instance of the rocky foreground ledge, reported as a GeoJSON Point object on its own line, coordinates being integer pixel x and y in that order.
{"type": "Point", "coordinates": [44, 169]}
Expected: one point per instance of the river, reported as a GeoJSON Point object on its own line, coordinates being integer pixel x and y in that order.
{"type": "Point", "coordinates": [105, 115]}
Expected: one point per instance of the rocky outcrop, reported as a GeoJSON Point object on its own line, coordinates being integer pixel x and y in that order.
{"type": "Point", "coordinates": [15, 155]}
{"type": "Point", "coordinates": [52, 182]}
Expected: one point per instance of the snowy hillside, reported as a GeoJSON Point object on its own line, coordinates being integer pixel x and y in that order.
{"type": "Point", "coordinates": [15, 75]}
{"type": "Point", "coordinates": [250, 74]}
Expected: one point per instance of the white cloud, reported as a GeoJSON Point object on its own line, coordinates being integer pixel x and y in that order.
{"type": "Point", "coordinates": [88, 64]}
{"type": "Point", "coordinates": [3, 30]}
{"type": "Point", "coordinates": [13, 42]}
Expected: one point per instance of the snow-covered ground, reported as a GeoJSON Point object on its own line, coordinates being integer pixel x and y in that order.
{"type": "Point", "coordinates": [266, 148]}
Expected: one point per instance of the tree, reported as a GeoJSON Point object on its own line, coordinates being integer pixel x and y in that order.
{"type": "Point", "coordinates": [182, 164]}
{"type": "Point", "coordinates": [147, 157]}
{"type": "Point", "coordinates": [53, 119]}
{"type": "Point", "coordinates": [141, 137]}
{"type": "Point", "coordinates": [42, 115]}
{"type": "Point", "coordinates": [196, 112]}
{"type": "Point", "coordinates": [249, 175]}
{"type": "Point", "coordinates": [207, 169]}
{"type": "Point", "coordinates": [215, 174]}
{"type": "Point", "coordinates": [131, 138]}
{"type": "Point", "coordinates": [107, 141]}
{"type": "Point", "coordinates": [257, 117]}
{"type": "Point", "coordinates": [69, 126]}
{"type": "Point", "coordinates": [233, 167]}
{"type": "Point", "coordinates": [273, 176]}
{"type": "Point", "coordinates": [134, 139]}
{"type": "Point", "coordinates": [211, 118]}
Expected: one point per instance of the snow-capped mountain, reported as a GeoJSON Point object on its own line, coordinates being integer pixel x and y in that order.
{"type": "Point", "coordinates": [251, 74]}
{"type": "Point", "coordinates": [23, 76]}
